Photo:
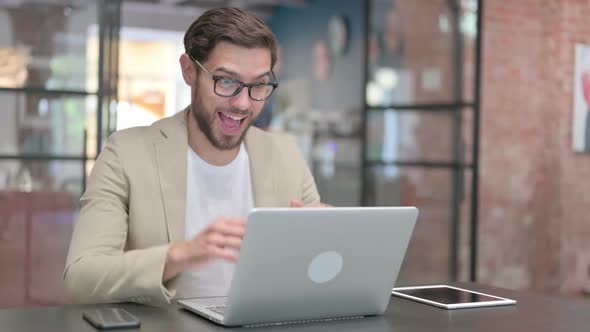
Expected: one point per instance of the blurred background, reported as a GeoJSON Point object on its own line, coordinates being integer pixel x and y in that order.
{"type": "Point", "coordinates": [466, 109]}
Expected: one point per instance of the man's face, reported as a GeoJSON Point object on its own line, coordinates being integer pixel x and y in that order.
{"type": "Point", "coordinates": [225, 120]}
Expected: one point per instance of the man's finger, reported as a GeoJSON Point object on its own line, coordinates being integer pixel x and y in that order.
{"type": "Point", "coordinates": [220, 240]}
{"type": "Point", "coordinates": [228, 229]}
{"type": "Point", "coordinates": [296, 204]}
{"type": "Point", "coordinates": [216, 252]}
{"type": "Point", "coordinates": [238, 221]}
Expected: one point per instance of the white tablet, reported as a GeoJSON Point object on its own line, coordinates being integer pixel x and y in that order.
{"type": "Point", "coordinates": [449, 297]}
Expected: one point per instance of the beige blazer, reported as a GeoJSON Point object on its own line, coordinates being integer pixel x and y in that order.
{"type": "Point", "coordinates": [134, 207]}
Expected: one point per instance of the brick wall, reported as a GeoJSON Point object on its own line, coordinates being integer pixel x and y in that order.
{"type": "Point", "coordinates": [534, 199]}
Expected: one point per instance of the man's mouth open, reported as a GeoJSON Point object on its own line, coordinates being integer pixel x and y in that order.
{"type": "Point", "coordinates": [231, 124]}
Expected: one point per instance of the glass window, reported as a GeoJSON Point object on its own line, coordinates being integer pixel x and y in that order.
{"type": "Point", "coordinates": [337, 170]}
{"type": "Point", "coordinates": [150, 84]}
{"type": "Point", "coordinates": [412, 63]}
{"type": "Point", "coordinates": [431, 191]}
{"type": "Point", "coordinates": [44, 123]}
{"type": "Point", "coordinates": [45, 45]}
{"type": "Point", "coordinates": [418, 136]}
{"type": "Point", "coordinates": [48, 88]}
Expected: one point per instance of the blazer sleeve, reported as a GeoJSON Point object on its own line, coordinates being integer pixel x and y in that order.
{"type": "Point", "coordinates": [98, 268]}
{"type": "Point", "coordinates": [309, 192]}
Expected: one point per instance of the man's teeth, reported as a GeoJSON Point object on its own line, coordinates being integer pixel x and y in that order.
{"type": "Point", "coordinates": [236, 118]}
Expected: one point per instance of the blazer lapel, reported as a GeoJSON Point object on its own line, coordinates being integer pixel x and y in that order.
{"type": "Point", "coordinates": [171, 160]}
{"type": "Point", "coordinates": [262, 172]}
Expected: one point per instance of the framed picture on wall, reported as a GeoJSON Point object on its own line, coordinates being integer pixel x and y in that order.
{"type": "Point", "coordinates": [581, 125]}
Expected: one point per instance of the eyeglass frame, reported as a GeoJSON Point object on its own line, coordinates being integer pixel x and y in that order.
{"type": "Point", "coordinates": [216, 78]}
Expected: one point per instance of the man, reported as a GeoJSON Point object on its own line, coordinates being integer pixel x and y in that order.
{"type": "Point", "coordinates": [163, 215]}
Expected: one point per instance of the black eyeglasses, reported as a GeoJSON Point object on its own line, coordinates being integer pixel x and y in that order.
{"type": "Point", "coordinates": [228, 87]}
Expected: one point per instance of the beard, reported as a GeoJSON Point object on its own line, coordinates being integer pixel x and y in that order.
{"type": "Point", "coordinates": [206, 121]}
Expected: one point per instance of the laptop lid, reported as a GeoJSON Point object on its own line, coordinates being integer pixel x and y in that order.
{"type": "Point", "coordinates": [318, 263]}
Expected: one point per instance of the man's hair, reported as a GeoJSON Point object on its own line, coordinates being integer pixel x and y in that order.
{"type": "Point", "coordinates": [231, 25]}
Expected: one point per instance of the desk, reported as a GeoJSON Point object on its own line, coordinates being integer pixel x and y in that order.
{"type": "Point", "coordinates": [532, 313]}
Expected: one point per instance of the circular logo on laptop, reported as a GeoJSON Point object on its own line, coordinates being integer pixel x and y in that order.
{"type": "Point", "coordinates": [325, 267]}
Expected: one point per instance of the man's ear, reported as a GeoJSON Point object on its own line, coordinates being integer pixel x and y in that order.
{"type": "Point", "coordinates": [187, 66]}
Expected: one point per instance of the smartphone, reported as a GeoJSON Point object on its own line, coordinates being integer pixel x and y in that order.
{"type": "Point", "coordinates": [111, 318]}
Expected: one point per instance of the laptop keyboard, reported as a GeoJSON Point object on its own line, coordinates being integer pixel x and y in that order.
{"type": "Point", "coordinates": [218, 309]}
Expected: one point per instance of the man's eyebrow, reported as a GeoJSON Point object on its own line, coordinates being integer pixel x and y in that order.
{"type": "Point", "coordinates": [233, 73]}
{"type": "Point", "coordinates": [262, 75]}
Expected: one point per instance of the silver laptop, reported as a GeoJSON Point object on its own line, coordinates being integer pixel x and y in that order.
{"type": "Point", "coordinates": [307, 264]}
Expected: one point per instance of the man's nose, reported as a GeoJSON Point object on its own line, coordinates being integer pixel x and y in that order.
{"type": "Point", "coordinates": [242, 100]}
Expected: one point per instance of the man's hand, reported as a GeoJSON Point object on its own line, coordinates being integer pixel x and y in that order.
{"type": "Point", "coordinates": [220, 240]}
{"type": "Point", "coordinates": [299, 204]}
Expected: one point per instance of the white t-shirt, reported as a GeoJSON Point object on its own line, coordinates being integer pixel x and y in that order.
{"type": "Point", "coordinates": [213, 192]}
